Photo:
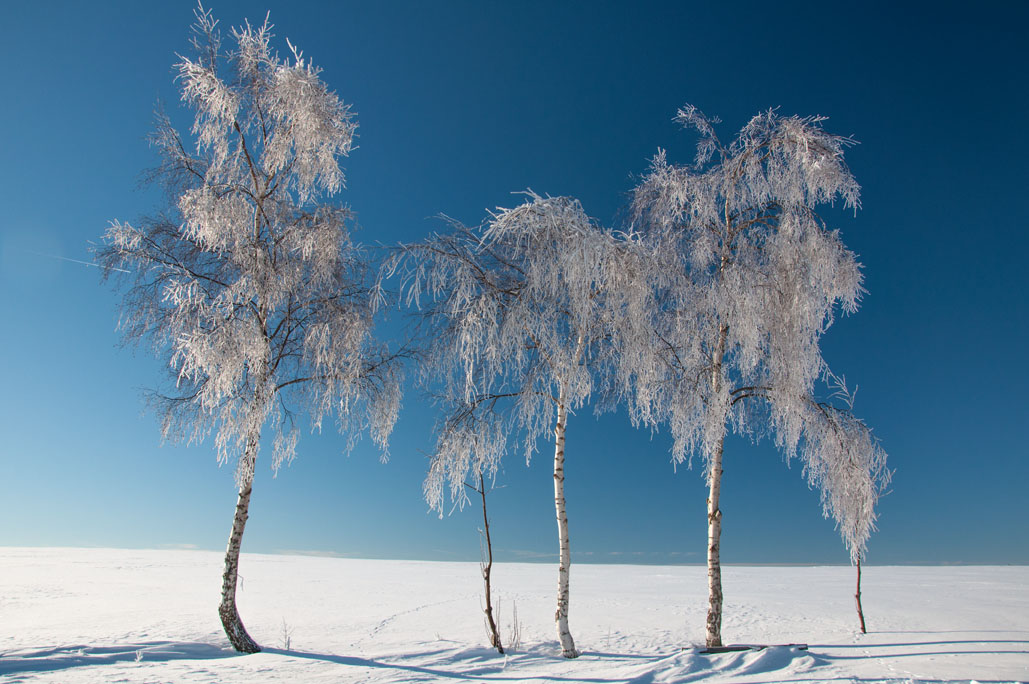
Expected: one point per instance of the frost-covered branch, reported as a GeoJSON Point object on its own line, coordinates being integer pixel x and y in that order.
{"type": "Point", "coordinates": [516, 309]}
{"type": "Point", "coordinates": [250, 284]}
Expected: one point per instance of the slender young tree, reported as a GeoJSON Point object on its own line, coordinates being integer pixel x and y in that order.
{"type": "Point", "coordinates": [249, 285]}
{"type": "Point", "coordinates": [857, 597]}
{"type": "Point", "coordinates": [747, 277]}
{"type": "Point", "coordinates": [486, 569]}
{"type": "Point", "coordinates": [517, 312]}
{"type": "Point", "coordinates": [859, 479]}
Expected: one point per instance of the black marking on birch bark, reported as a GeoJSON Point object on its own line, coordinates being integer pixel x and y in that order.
{"type": "Point", "coordinates": [564, 633]}
{"type": "Point", "coordinates": [227, 611]}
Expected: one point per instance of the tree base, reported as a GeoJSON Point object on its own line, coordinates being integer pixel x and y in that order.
{"type": "Point", "coordinates": [712, 650]}
{"type": "Point", "coordinates": [235, 631]}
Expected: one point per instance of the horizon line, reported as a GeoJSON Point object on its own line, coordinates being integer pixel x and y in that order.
{"type": "Point", "coordinates": [535, 560]}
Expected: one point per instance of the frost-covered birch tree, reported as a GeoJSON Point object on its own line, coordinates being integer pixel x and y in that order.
{"type": "Point", "coordinates": [748, 276]}
{"type": "Point", "coordinates": [516, 313]}
{"type": "Point", "coordinates": [249, 285]}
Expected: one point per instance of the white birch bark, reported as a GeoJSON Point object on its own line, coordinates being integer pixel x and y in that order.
{"type": "Point", "coordinates": [234, 629]}
{"type": "Point", "coordinates": [714, 566]}
{"type": "Point", "coordinates": [714, 513]}
{"type": "Point", "coordinates": [565, 560]}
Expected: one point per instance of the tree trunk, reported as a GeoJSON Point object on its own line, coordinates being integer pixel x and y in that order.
{"type": "Point", "coordinates": [714, 565]}
{"type": "Point", "coordinates": [231, 621]}
{"type": "Point", "coordinates": [857, 597]}
{"type": "Point", "coordinates": [487, 570]}
{"type": "Point", "coordinates": [714, 513]}
{"type": "Point", "coordinates": [565, 560]}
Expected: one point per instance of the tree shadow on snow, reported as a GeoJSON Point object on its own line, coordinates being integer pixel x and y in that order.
{"type": "Point", "coordinates": [66, 657]}
{"type": "Point", "coordinates": [911, 654]}
{"type": "Point", "coordinates": [875, 651]}
{"type": "Point", "coordinates": [623, 656]}
{"type": "Point", "coordinates": [952, 631]}
{"type": "Point", "coordinates": [878, 680]}
{"type": "Point", "coordinates": [964, 642]}
{"type": "Point", "coordinates": [491, 673]}
{"type": "Point", "coordinates": [884, 650]}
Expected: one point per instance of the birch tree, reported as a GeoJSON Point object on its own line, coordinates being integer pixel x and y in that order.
{"type": "Point", "coordinates": [747, 278]}
{"type": "Point", "coordinates": [516, 313]}
{"type": "Point", "coordinates": [249, 285]}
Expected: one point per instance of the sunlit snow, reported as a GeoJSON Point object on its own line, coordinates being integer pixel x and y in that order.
{"type": "Point", "coordinates": [90, 615]}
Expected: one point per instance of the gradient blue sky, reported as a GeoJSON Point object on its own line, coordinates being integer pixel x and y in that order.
{"type": "Point", "coordinates": [460, 104]}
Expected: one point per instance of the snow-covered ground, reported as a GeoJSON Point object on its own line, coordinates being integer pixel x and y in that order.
{"type": "Point", "coordinates": [92, 615]}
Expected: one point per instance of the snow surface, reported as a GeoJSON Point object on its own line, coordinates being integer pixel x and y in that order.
{"type": "Point", "coordinates": [89, 615]}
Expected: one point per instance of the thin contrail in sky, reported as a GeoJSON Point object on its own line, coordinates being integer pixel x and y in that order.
{"type": "Point", "coordinates": [74, 261]}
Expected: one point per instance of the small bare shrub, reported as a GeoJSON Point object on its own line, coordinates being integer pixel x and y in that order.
{"type": "Point", "coordinates": [286, 636]}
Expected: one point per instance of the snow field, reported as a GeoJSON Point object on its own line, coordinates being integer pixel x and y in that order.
{"type": "Point", "coordinates": [87, 615]}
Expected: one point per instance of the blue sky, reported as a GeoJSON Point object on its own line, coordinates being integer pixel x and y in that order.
{"type": "Point", "coordinates": [460, 104]}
